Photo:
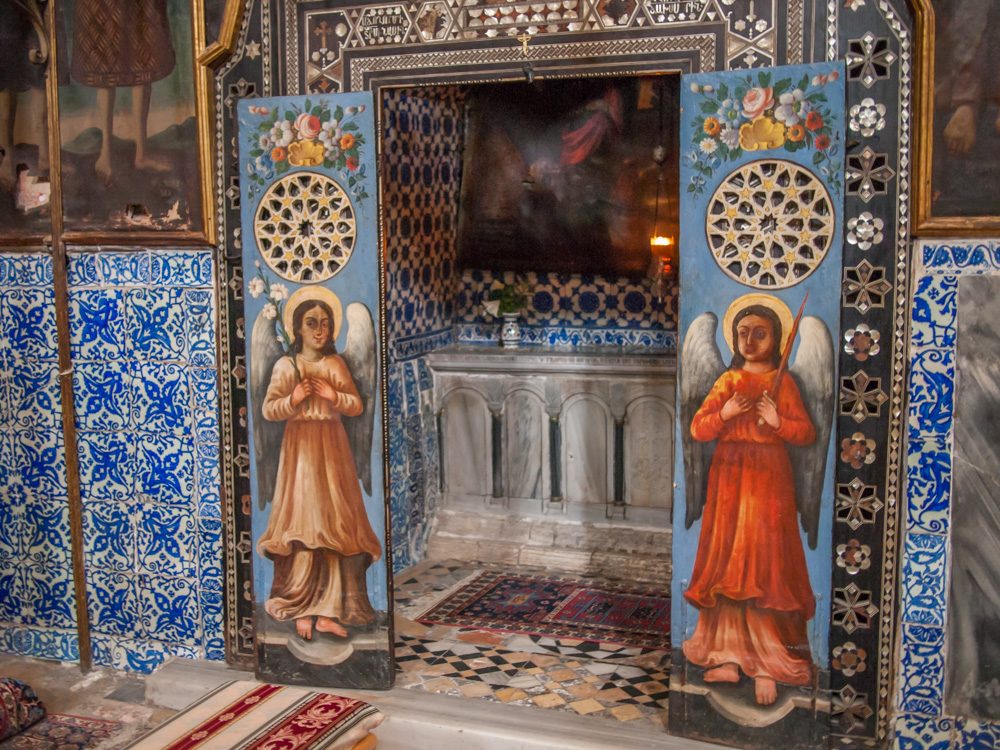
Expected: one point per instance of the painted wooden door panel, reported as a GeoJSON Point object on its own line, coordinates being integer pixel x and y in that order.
{"type": "Point", "coordinates": [762, 155]}
{"type": "Point", "coordinates": [313, 328]}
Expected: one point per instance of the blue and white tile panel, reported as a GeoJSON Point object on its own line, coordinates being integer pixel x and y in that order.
{"type": "Point", "coordinates": [143, 328]}
{"type": "Point", "coordinates": [920, 721]}
{"type": "Point", "coordinates": [37, 601]}
{"type": "Point", "coordinates": [573, 310]}
{"type": "Point", "coordinates": [413, 452]}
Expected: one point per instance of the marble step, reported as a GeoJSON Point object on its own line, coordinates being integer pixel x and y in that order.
{"type": "Point", "coordinates": [607, 550]}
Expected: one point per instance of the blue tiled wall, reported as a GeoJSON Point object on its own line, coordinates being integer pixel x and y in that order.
{"type": "Point", "coordinates": [574, 310]}
{"type": "Point", "coordinates": [921, 723]}
{"type": "Point", "coordinates": [37, 602]}
{"type": "Point", "coordinates": [144, 379]}
{"type": "Point", "coordinates": [420, 204]}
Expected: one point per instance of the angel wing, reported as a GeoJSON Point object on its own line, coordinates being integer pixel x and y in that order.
{"type": "Point", "coordinates": [701, 366]}
{"type": "Point", "coordinates": [814, 374]}
{"type": "Point", "coordinates": [267, 436]}
{"type": "Point", "coordinates": [360, 356]}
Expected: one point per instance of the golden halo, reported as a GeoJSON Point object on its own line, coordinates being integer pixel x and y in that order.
{"type": "Point", "coordinates": [769, 301]}
{"type": "Point", "coordinates": [306, 293]}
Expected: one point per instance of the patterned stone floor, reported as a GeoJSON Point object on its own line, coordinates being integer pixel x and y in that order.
{"type": "Point", "coordinates": [596, 680]}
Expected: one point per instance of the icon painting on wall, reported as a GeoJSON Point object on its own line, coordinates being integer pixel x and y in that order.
{"type": "Point", "coordinates": [127, 116]}
{"type": "Point", "coordinates": [311, 304]}
{"type": "Point", "coordinates": [761, 190]}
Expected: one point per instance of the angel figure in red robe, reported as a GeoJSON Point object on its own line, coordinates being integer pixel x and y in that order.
{"type": "Point", "coordinates": [764, 447]}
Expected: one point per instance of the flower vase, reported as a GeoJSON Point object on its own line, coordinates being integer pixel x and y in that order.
{"type": "Point", "coordinates": [510, 331]}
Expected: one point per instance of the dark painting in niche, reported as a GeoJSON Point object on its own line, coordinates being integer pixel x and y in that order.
{"type": "Point", "coordinates": [130, 157]}
{"type": "Point", "coordinates": [973, 634]}
{"type": "Point", "coordinates": [561, 175]}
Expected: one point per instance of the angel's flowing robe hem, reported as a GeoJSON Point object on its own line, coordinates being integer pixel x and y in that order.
{"type": "Point", "coordinates": [750, 581]}
{"type": "Point", "coordinates": [306, 583]}
{"type": "Point", "coordinates": [763, 643]}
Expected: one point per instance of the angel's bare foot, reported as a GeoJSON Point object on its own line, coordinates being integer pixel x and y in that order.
{"type": "Point", "coordinates": [726, 673]}
{"type": "Point", "coordinates": [326, 625]}
{"type": "Point", "coordinates": [765, 690]}
{"type": "Point", "coordinates": [304, 627]}
{"type": "Point", "coordinates": [960, 132]}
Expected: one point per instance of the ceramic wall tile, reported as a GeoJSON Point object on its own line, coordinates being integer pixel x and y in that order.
{"type": "Point", "coordinates": [33, 397]}
{"type": "Point", "coordinates": [923, 579]}
{"type": "Point", "coordinates": [99, 324]}
{"type": "Point", "coordinates": [922, 669]}
{"type": "Point", "coordinates": [155, 324]}
{"type": "Point", "coordinates": [169, 609]}
{"type": "Point", "coordinates": [143, 327]}
{"type": "Point", "coordinates": [29, 317]}
{"type": "Point", "coordinates": [112, 602]}
{"type": "Point", "coordinates": [109, 536]}
{"type": "Point", "coordinates": [960, 257]}
{"type": "Point", "coordinates": [46, 537]}
{"type": "Point", "coordinates": [41, 461]}
{"type": "Point", "coordinates": [123, 268]}
{"type": "Point", "coordinates": [977, 735]}
{"type": "Point", "coordinates": [182, 269]}
{"type": "Point", "coordinates": [916, 732]}
{"type": "Point", "coordinates": [49, 590]}
{"type": "Point", "coordinates": [166, 542]}
{"type": "Point", "coordinates": [164, 468]}
{"type": "Point", "coordinates": [931, 393]}
{"type": "Point", "coordinates": [933, 318]}
{"type": "Point", "coordinates": [160, 398]}
{"type": "Point", "coordinates": [102, 395]}
{"type": "Point", "coordinates": [922, 722]}
{"type": "Point", "coordinates": [928, 484]}
{"type": "Point", "coordinates": [107, 465]}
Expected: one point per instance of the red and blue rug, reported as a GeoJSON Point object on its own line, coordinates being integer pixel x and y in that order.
{"type": "Point", "coordinates": [560, 607]}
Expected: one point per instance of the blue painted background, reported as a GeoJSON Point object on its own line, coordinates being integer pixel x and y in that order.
{"type": "Point", "coordinates": [704, 287]}
{"type": "Point", "coordinates": [357, 281]}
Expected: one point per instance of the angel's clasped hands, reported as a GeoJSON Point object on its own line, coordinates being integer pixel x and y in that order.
{"type": "Point", "coordinates": [767, 410]}
{"type": "Point", "coordinates": [313, 387]}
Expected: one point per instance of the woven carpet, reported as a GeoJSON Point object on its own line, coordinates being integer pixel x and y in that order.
{"type": "Point", "coordinates": [248, 715]}
{"type": "Point", "coordinates": [559, 607]}
{"type": "Point", "coordinates": [64, 732]}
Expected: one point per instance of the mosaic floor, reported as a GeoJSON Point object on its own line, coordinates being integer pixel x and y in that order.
{"type": "Point", "coordinates": [601, 680]}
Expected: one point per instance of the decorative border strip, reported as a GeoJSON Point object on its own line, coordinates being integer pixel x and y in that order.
{"type": "Point", "coordinates": [921, 721]}
{"type": "Point", "coordinates": [410, 347]}
{"type": "Point", "coordinates": [571, 336]}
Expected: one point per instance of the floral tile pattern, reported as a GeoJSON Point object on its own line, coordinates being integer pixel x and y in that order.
{"type": "Point", "coordinates": [143, 342]}
{"type": "Point", "coordinates": [921, 723]}
{"type": "Point", "coordinates": [38, 610]}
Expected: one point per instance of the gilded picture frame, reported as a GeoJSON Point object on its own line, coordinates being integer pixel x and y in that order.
{"type": "Point", "coordinates": [150, 225]}
{"type": "Point", "coordinates": [948, 141]}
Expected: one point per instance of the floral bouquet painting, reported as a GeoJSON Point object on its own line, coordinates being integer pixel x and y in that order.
{"type": "Point", "coordinates": [759, 114]}
{"type": "Point", "coordinates": [313, 135]}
